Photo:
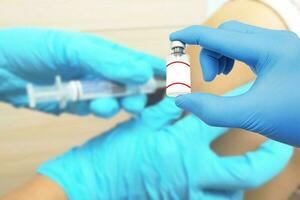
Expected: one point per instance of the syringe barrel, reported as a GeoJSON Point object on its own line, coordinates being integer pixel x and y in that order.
{"type": "Point", "coordinates": [86, 90]}
{"type": "Point", "coordinates": [99, 89]}
{"type": "Point", "coordinates": [92, 89]}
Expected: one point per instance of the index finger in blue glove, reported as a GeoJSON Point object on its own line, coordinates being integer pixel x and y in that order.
{"type": "Point", "coordinates": [235, 45]}
{"type": "Point", "coordinates": [237, 26]}
{"type": "Point", "coordinates": [214, 63]}
{"type": "Point", "coordinates": [238, 171]}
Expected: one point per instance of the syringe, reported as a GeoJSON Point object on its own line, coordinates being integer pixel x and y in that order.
{"type": "Point", "coordinates": [76, 90]}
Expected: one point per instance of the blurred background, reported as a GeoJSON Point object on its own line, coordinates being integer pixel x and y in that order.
{"type": "Point", "coordinates": [28, 138]}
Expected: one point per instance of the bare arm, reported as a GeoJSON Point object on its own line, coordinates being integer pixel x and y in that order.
{"type": "Point", "coordinates": [39, 187]}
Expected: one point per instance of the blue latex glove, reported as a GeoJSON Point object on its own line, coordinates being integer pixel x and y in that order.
{"type": "Point", "coordinates": [37, 55]}
{"type": "Point", "coordinates": [149, 157]}
{"type": "Point", "coordinates": [271, 107]}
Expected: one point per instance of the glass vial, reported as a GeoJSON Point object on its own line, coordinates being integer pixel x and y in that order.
{"type": "Point", "coordinates": [178, 71]}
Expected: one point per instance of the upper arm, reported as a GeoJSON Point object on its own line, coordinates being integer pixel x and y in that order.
{"type": "Point", "coordinates": [40, 187]}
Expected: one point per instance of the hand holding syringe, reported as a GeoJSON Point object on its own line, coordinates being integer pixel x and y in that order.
{"type": "Point", "coordinates": [76, 90]}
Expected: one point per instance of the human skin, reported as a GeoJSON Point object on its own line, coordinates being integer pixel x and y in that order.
{"type": "Point", "coordinates": [236, 141]}
{"type": "Point", "coordinates": [40, 187]}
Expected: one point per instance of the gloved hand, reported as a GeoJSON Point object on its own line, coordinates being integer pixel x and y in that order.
{"type": "Point", "coordinates": [149, 157]}
{"type": "Point", "coordinates": [271, 107]}
{"type": "Point", "coordinates": [38, 55]}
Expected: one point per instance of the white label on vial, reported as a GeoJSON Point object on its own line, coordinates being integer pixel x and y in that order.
{"type": "Point", "coordinates": [178, 77]}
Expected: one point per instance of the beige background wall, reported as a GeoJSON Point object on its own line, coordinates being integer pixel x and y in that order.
{"type": "Point", "coordinates": [27, 138]}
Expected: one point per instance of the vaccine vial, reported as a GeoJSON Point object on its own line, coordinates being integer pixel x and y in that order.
{"type": "Point", "coordinates": [178, 71]}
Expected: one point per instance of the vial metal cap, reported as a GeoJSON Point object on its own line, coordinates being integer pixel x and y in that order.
{"type": "Point", "coordinates": [176, 44]}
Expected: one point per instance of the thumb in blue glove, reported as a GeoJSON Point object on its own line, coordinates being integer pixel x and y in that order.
{"type": "Point", "coordinates": [271, 105]}
{"type": "Point", "coordinates": [38, 55]}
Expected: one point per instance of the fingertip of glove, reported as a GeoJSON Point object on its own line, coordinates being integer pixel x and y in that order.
{"type": "Point", "coordinates": [105, 108]}
{"type": "Point", "coordinates": [209, 77]}
{"type": "Point", "coordinates": [134, 104]}
{"type": "Point", "coordinates": [172, 36]}
{"type": "Point", "coordinates": [180, 101]}
{"type": "Point", "coordinates": [105, 113]}
{"type": "Point", "coordinates": [177, 35]}
{"type": "Point", "coordinates": [185, 101]}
